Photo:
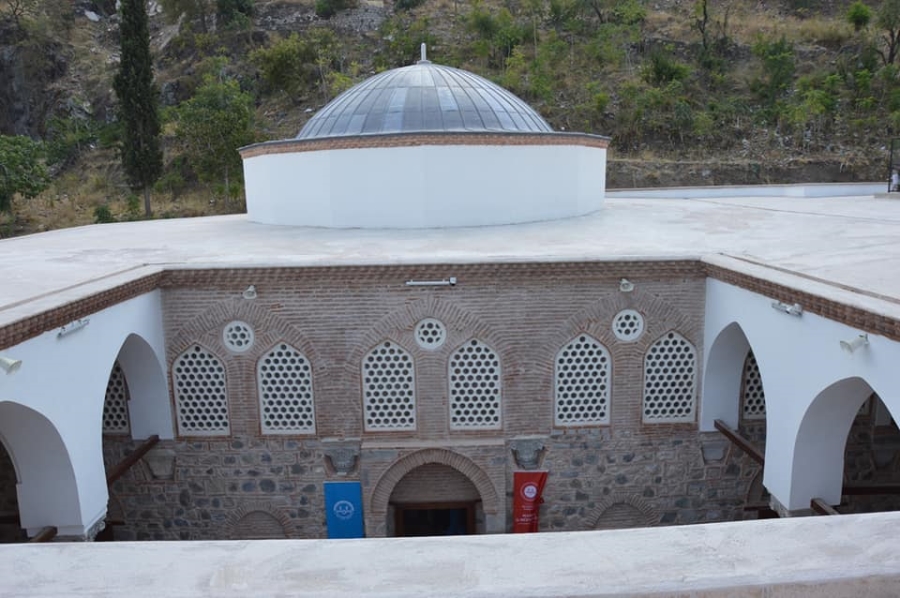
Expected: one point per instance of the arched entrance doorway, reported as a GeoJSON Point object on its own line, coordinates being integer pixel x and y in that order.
{"type": "Point", "coordinates": [435, 500]}
{"type": "Point", "coordinates": [430, 476]}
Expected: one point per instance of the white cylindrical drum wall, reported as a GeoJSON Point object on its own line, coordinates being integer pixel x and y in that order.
{"type": "Point", "coordinates": [424, 186]}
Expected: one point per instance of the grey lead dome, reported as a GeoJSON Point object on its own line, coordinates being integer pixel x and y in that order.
{"type": "Point", "coordinates": [421, 98]}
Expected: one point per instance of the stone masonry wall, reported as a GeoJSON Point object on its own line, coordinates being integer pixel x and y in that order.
{"type": "Point", "coordinates": [523, 312]}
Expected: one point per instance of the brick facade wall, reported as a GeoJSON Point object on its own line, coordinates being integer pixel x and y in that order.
{"type": "Point", "coordinates": [524, 312]}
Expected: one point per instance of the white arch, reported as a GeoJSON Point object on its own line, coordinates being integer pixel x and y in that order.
{"type": "Point", "coordinates": [145, 373]}
{"type": "Point", "coordinates": [818, 460]}
{"type": "Point", "coordinates": [722, 377]}
{"type": "Point", "coordinates": [47, 489]}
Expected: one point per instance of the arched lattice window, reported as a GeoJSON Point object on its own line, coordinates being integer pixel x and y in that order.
{"type": "Point", "coordinates": [474, 376]}
{"type": "Point", "coordinates": [284, 381]}
{"type": "Point", "coordinates": [670, 373]}
{"type": "Point", "coordinates": [201, 402]}
{"type": "Point", "coordinates": [582, 382]}
{"type": "Point", "coordinates": [115, 405]}
{"type": "Point", "coordinates": [389, 388]}
{"type": "Point", "coordinates": [753, 398]}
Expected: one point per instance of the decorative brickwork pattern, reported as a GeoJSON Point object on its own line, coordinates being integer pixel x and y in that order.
{"type": "Point", "coordinates": [115, 404]}
{"type": "Point", "coordinates": [201, 401]}
{"type": "Point", "coordinates": [285, 387]}
{"type": "Point", "coordinates": [628, 325]}
{"type": "Point", "coordinates": [670, 373]}
{"type": "Point", "coordinates": [474, 377]}
{"type": "Point", "coordinates": [582, 379]}
{"type": "Point", "coordinates": [290, 146]}
{"type": "Point", "coordinates": [753, 398]}
{"type": "Point", "coordinates": [389, 388]}
{"type": "Point", "coordinates": [238, 337]}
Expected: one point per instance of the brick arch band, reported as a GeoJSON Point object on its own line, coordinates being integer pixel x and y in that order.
{"type": "Point", "coordinates": [389, 479]}
{"type": "Point", "coordinates": [646, 510]}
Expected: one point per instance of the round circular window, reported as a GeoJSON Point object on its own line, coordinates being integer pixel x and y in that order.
{"type": "Point", "coordinates": [628, 325]}
{"type": "Point", "coordinates": [430, 334]}
{"type": "Point", "coordinates": [238, 336]}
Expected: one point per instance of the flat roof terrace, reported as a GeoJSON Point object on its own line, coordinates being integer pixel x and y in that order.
{"type": "Point", "coordinates": [844, 247]}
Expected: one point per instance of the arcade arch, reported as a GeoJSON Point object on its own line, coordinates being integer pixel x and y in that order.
{"type": "Point", "coordinates": [47, 490]}
{"type": "Point", "coordinates": [817, 468]}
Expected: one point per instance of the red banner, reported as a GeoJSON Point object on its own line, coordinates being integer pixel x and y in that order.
{"type": "Point", "coordinates": [528, 487]}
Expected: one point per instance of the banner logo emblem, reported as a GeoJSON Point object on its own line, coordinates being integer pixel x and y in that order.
{"type": "Point", "coordinates": [530, 491]}
{"type": "Point", "coordinates": [343, 509]}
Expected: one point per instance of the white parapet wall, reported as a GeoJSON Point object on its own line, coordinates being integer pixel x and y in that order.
{"type": "Point", "coordinates": [815, 557]}
{"type": "Point", "coordinates": [423, 186]}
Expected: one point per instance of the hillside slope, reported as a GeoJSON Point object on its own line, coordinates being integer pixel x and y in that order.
{"type": "Point", "coordinates": [733, 91]}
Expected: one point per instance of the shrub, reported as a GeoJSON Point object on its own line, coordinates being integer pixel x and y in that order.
{"type": "Point", "coordinates": [407, 4]}
{"type": "Point", "coordinates": [660, 69]}
{"type": "Point", "coordinates": [102, 214]}
{"type": "Point", "coordinates": [859, 15]}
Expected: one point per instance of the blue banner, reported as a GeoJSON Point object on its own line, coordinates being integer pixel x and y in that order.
{"type": "Point", "coordinates": [343, 509]}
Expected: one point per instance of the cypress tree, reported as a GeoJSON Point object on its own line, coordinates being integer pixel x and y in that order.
{"type": "Point", "coordinates": [138, 110]}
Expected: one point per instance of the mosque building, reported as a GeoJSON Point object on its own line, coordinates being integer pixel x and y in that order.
{"type": "Point", "coordinates": [431, 296]}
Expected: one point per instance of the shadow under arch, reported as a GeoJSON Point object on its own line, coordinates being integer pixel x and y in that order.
{"type": "Point", "coordinates": [817, 465]}
{"type": "Point", "coordinates": [145, 374]}
{"type": "Point", "coordinates": [722, 377]}
{"type": "Point", "coordinates": [389, 479]}
{"type": "Point", "coordinates": [47, 488]}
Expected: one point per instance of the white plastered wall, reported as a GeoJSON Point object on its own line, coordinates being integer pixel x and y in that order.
{"type": "Point", "coordinates": [801, 362]}
{"type": "Point", "coordinates": [425, 187]}
{"type": "Point", "coordinates": [63, 380]}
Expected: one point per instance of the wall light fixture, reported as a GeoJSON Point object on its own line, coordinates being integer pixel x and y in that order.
{"type": "Point", "coordinates": [794, 309]}
{"type": "Point", "coordinates": [72, 327]}
{"type": "Point", "coordinates": [859, 342]}
{"type": "Point", "coordinates": [10, 365]}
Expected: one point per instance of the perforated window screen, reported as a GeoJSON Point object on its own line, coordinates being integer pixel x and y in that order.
{"type": "Point", "coordinates": [474, 387]}
{"type": "Point", "coordinates": [430, 334]}
{"type": "Point", "coordinates": [752, 395]}
{"type": "Point", "coordinates": [582, 382]}
{"type": "Point", "coordinates": [238, 336]}
{"type": "Point", "coordinates": [200, 398]}
{"type": "Point", "coordinates": [628, 325]}
{"type": "Point", "coordinates": [284, 380]}
{"type": "Point", "coordinates": [389, 388]}
{"type": "Point", "coordinates": [670, 371]}
{"type": "Point", "coordinates": [115, 406]}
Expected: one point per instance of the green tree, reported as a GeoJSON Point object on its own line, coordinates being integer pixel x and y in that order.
{"type": "Point", "coordinates": [211, 126]}
{"type": "Point", "coordinates": [17, 10]}
{"type": "Point", "coordinates": [777, 58]}
{"type": "Point", "coordinates": [234, 14]}
{"type": "Point", "coordinates": [138, 110]}
{"type": "Point", "coordinates": [888, 20]}
{"type": "Point", "coordinates": [22, 169]}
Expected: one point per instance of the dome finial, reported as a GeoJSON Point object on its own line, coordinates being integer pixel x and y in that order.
{"type": "Point", "coordinates": [424, 59]}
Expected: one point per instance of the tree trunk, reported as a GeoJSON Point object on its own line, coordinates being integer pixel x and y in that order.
{"type": "Point", "coordinates": [147, 211]}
